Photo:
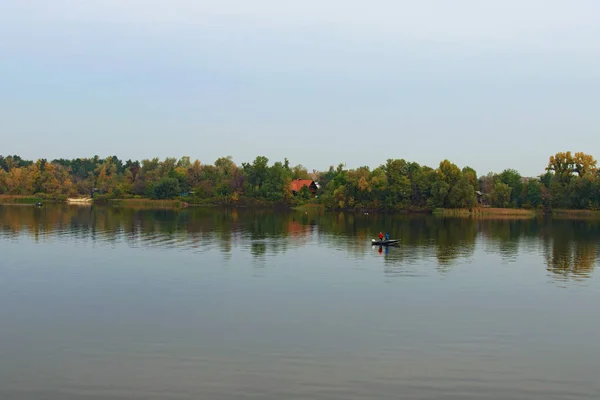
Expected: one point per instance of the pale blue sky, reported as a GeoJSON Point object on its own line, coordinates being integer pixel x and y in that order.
{"type": "Point", "coordinates": [488, 84]}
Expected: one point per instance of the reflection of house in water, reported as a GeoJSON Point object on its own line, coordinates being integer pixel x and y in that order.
{"type": "Point", "coordinates": [297, 229]}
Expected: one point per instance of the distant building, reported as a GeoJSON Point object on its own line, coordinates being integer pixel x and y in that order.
{"type": "Point", "coordinates": [298, 184]}
{"type": "Point", "coordinates": [481, 198]}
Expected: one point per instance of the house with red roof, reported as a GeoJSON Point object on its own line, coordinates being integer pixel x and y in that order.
{"type": "Point", "coordinates": [297, 184]}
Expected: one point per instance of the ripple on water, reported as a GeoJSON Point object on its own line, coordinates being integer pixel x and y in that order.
{"type": "Point", "coordinates": [298, 313]}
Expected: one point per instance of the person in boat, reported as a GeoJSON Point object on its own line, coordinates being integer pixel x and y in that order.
{"type": "Point", "coordinates": [380, 236]}
{"type": "Point", "coordinates": [387, 236]}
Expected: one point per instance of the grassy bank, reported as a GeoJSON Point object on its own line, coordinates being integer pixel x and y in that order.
{"type": "Point", "coordinates": [10, 199]}
{"type": "Point", "coordinates": [241, 202]}
{"type": "Point", "coordinates": [485, 212]}
{"type": "Point", "coordinates": [309, 207]}
{"type": "Point", "coordinates": [576, 214]}
{"type": "Point", "coordinates": [146, 203]}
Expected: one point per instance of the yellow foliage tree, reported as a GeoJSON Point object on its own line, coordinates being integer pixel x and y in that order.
{"type": "Point", "coordinates": [562, 164]}
{"type": "Point", "coordinates": [584, 164]}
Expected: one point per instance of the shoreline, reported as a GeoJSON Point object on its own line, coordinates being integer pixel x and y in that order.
{"type": "Point", "coordinates": [475, 212]}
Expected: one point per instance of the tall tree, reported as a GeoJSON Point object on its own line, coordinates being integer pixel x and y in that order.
{"type": "Point", "coordinates": [584, 164]}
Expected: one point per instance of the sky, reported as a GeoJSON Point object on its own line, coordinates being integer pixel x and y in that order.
{"type": "Point", "coordinates": [488, 84]}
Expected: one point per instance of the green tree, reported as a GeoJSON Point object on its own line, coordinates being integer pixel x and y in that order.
{"type": "Point", "coordinates": [166, 188]}
{"type": "Point", "coordinates": [256, 175]}
{"type": "Point", "coordinates": [226, 168]}
{"type": "Point", "coordinates": [462, 195]}
{"type": "Point", "coordinates": [439, 194]}
{"type": "Point", "coordinates": [300, 172]}
{"type": "Point", "coordinates": [533, 193]}
{"type": "Point", "coordinates": [501, 195]}
{"type": "Point", "coordinates": [471, 176]}
{"type": "Point", "coordinates": [513, 179]}
{"type": "Point", "coordinates": [304, 193]}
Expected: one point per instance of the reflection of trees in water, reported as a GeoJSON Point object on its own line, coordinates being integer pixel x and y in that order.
{"type": "Point", "coordinates": [570, 247]}
{"type": "Point", "coordinates": [420, 236]}
{"type": "Point", "coordinates": [454, 239]}
{"type": "Point", "coordinates": [258, 249]}
{"type": "Point", "coordinates": [505, 236]}
{"type": "Point", "coordinates": [572, 258]}
{"type": "Point", "coordinates": [192, 227]}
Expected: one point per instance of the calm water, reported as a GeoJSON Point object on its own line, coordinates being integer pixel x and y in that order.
{"type": "Point", "coordinates": [100, 303]}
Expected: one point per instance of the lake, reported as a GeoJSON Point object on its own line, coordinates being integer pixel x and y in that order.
{"type": "Point", "coordinates": [203, 303]}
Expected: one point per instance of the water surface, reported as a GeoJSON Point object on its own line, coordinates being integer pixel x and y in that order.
{"type": "Point", "coordinates": [112, 303]}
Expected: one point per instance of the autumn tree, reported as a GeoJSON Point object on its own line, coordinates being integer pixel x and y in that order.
{"type": "Point", "coordinates": [584, 164]}
{"type": "Point", "coordinates": [194, 174]}
{"type": "Point", "coordinates": [562, 165]}
{"type": "Point", "coordinates": [449, 172]}
{"type": "Point", "coordinates": [471, 176]}
{"type": "Point", "coordinates": [132, 169]}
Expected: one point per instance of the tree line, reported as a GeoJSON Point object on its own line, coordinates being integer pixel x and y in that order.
{"type": "Point", "coordinates": [569, 181]}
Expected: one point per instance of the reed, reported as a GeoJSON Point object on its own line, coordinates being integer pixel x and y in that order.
{"type": "Point", "coordinates": [485, 212]}
{"type": "Point", "coordinates": [148, 203]}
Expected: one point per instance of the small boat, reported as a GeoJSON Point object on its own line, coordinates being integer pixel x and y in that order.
{"type": "Point", "coordinates": [388, 242]}
{"type": "Point", "coordinates": [38, 204]}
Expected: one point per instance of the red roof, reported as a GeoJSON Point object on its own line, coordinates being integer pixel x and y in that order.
{"type": "Point", "coordinates": [299, 183]}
